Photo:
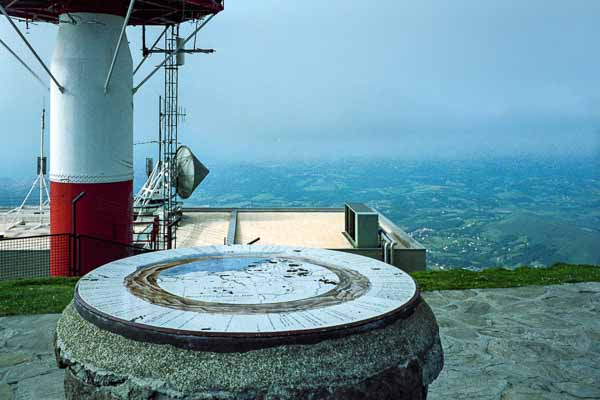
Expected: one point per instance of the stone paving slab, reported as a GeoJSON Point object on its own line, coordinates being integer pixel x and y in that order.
{"type": "Point", "coordinates": [519, 343]}
{"type": "Point", "coordinates": [28, 369]}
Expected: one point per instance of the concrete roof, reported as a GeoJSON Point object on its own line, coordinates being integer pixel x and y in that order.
{"type": "Point", "coordinates": [306, 229]}
{"type": "Point", "coordinates": [202, 229]}
{"type": "Point", "coordinates": [319, 229]}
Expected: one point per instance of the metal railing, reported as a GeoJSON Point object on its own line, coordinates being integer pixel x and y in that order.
{"type": "Point", "coordinates": [146, 231]}
{"type": "Point", "coordinates": [88, 256]}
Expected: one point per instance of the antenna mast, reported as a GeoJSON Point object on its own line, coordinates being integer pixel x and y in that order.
{"type": "Point", "coordinates": [41, 169]}
{"type": "Point", "coordinates": [16, 215]}
{"type": "Point", "coordinates": [161, 186]}
{"type": "Point", "coordinates": [169, 123]}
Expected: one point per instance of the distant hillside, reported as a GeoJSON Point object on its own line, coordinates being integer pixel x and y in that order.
{"type": "Point", "coordinates": [530, 238]}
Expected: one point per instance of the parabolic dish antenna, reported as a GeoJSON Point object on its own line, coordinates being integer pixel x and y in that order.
{"type": "Point", "coordinates": [190, 172]}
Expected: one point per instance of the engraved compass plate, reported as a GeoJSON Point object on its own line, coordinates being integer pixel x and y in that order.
{"type": "Point", "coordinates": [243, 297]}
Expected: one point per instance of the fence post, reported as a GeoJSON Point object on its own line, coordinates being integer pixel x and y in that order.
{"type": "Point", "coordinates": [170, 233]}
{"type": "Point", "coordinates": [169, 236]}
{"type": "Point", "coordinates": [155, 232]}
{"type": "Point", "coordinates": [75, 248]}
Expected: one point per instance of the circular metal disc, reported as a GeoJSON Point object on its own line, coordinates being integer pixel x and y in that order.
{"type": "Point", "coordinates": [237, 298]}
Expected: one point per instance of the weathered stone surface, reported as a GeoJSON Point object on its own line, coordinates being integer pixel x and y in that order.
{"type": "Point", "coordinates": [30, 334]}
{"type": "Point", "coordinates": [5, 392]}
{"type": "Point", "coordinates": [525, 343]}
{"type": "Point", "coordinates": [42, 387]}
{"type": "Point", "coordinates": [470, 371]}
{"type": "Point", "coordinates": [38, 367]}
{"type": "Point", "coordinates": [403, 357]}
{"type": "Point", "coordinates": [10, 359]}
{"type": "Point", "coordinates": [400, 359]}
{"type": "Point", "coordinates": [29, 369]}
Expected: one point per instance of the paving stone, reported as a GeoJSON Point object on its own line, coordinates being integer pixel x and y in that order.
{"type": "Point", "coordinates": [458, 294]}
{"type": "Point", "coordinates": [476, 307]}
{"type": "Point", "coordinates": [10, 359]}
{"type": "Point", "coordinates": [527, 343]}
{"type": "Point", "coordinates": [47, 387]}
{"type": "Point", "coordinates": [35, 333]}
{"type": "Point", "coordinates": [5, 392]}
{"type": "Point", "coordinates": [39, 367]}
{"type": "Point", "coordinates": [533, 343]}
{"type": "Point", "coordinates": [462, 333]}
{"type": "Point", "coordinates": [578, 390]}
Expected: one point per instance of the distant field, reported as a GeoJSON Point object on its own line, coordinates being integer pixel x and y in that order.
{"type": "Point", "coordinates": [476, 213]}
{"type": "Point", "coordinates": [51, 295]}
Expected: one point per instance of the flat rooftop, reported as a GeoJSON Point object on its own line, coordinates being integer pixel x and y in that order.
{"type": "Point", "coordinates": [203, 229]}
{"type": "Point", "coordinates": [305, 229]}
{"type": "Point", "coordinates": [321, 229]}
{"type": "Point", "coordinates": [28, 222]}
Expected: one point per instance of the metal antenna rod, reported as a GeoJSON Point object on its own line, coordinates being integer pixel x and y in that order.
{"type": "Point", "coordinates": [10, 21]}
{"type": "Point", "coordinates": [41, 166]}
{"type": "Point", "coordinates": [116, 53]}
{"type": "Point", "coordinates": [23, 64]}
{"type": "Point", "coordinates": [151, 48]}
{"type": "Point", "coordinates": [168, 57]}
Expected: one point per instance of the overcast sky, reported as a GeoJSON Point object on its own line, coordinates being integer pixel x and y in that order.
{"type": "Point", "coordinates": [345, 78]}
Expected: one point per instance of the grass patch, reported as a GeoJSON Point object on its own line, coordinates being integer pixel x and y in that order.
{"type": "Point", "coordinates": [504, 278]}
{"type": "Point", "coordinates": [35, 296]}
{"type": "Point", "coordinates": [51, 295]}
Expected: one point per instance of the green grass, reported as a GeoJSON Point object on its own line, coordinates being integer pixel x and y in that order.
{"type": "Point", "coordinates": [504, 278]}
{"type": "Point", "coordinates": [51, 295]}
{"type": "Point", "coordinates": [35, 296]}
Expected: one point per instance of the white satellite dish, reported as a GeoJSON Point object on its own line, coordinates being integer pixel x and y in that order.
{"type": "Point", "coordinates": [190, 172]}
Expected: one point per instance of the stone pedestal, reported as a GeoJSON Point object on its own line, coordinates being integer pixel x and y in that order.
{"type": "Point", "coordinates": [397, 361]}
{"type": "Point", "coordinates": [248, 322]}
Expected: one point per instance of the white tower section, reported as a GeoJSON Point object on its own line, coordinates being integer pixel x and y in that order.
{"type": "Point", "coordinates": [91, 132]}
{"type": "Point", "coordinates": [91, 137]}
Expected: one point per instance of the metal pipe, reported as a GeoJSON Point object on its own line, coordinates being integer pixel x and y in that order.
{"type": "Point", "coordinates": [23, 64]}
{"type": "Point", "coordinates": [167, 58]}
{"type": "Point", "coordinates": [74, 212]}
{"type": "Point", "coordinates": [388, 247]}
{"type": "Point", "coordinates": [116, 53]}
{"type": "Point", "coordinates": [74, 238]}
{"type": "Point", "coordinates": [149, 52]}
{"type": "Point", "coordinates": [10, 21]}
{"type": "Point", "coordinates": [41, 171]}
{"type": "Point", "coordinates": [385, 247]}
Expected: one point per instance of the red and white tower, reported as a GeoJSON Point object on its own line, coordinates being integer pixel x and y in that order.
{"type": "Point", "coordinates": [91, 131]}
{"type": "Point", "coordinates": [91, 101]}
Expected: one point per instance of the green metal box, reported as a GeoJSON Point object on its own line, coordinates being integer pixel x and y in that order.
{"type": "Point", "coordinates": [361, 225]}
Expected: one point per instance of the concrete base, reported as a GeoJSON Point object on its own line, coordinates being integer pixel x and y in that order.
{"type": "Point", "coordinates": [397, 361]}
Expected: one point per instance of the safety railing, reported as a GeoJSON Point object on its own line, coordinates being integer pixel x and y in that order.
{"type": "Point", "coordinates": [92, 252]}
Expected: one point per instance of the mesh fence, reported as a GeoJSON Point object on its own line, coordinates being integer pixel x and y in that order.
{"type": "Point", "coordinates": [58, 255]}
{"type": "Point", "coordinates": [29, 257]}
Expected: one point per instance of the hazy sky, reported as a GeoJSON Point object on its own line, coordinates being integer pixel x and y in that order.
{"type": "Point", "coordinates": [341, 78]}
